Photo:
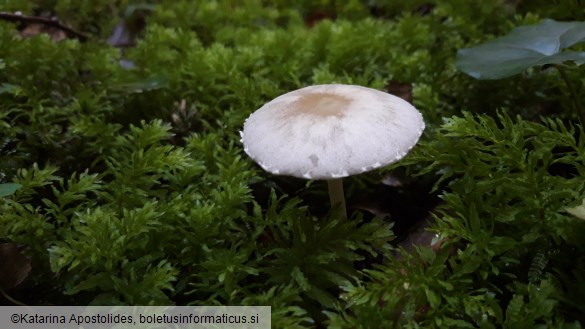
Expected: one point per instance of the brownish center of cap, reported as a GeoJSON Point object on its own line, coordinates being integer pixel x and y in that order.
{"type": "Point", "coordinates": [321, 104]}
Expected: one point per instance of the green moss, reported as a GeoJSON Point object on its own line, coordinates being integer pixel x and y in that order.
{"type": "Point", "coordinates": [136, 190]}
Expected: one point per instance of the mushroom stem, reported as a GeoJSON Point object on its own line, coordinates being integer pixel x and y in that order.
{"type": "Point", "coordinates": [336, 197]}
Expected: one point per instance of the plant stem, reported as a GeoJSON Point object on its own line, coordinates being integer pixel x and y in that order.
{"type": "Point", "coordinates": [573, 92]}
{"type": "Point", "coordinates": [336, 197]}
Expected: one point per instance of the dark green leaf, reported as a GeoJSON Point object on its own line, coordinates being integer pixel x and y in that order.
{"type": "Point", "coordinates": [8, 189]}
{"type": "Point", "coordinates": [7, 88]}
{"type": "Point", "coordinates": [523, 48]}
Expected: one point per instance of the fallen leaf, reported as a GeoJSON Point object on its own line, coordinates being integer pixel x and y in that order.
{"type": "Point", "coordinates": [130, 26]}
{"type": "Point", "coordinates": [44, 23]}
{"type": "Point", "coordinates": [34, 29]}
{"type": "Point", "coordinates": [578, 211]}
{"type": "Point", "coordinates": [373, 208]}
{"type": "Point", "coordinates": [16, 266]}
{"type": "Point", "coordinates": [400, 89]}
{"type": "Point", "coordinates": [421, 236]}
{"type": "Point", "coordinates": [392, 180]}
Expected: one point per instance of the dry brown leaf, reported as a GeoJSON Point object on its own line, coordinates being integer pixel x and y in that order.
{"type": "Point", "coordinates": [45, 23]}
{"type": "Point", "coordinates": [15, 266]}
{"type": "Point", "coordinates": [402, 90]}
{"type": "Point", "coordinates": [34, 29]}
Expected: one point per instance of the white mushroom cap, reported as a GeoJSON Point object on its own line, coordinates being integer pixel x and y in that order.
{"type": "Point", "coordinates": [331, 131]}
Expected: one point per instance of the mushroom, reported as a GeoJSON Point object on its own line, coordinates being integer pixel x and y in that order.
{"type": "Point", "coordinates": [330, 132]}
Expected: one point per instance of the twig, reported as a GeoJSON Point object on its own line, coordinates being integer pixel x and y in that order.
{"type": "Point", "coordinates": [45, 21]}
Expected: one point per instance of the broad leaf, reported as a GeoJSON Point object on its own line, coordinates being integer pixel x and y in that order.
{"type": "Point", "coordinates": [524, 47]}
{"type": "Point", "coordinates": [8, 189]}
{"type": "Point", "coordinates": [7, 88]}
